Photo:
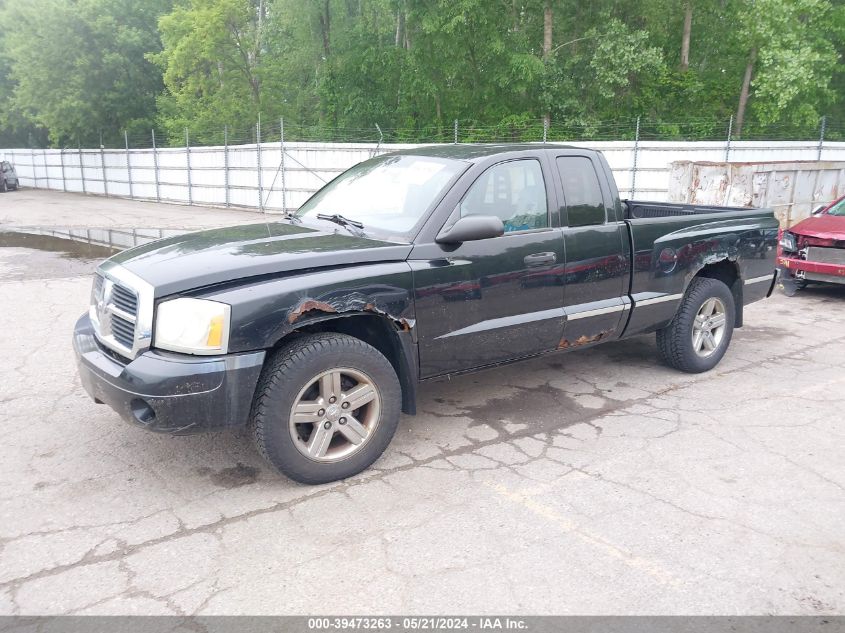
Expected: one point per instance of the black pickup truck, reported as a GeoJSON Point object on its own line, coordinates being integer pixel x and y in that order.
{"type": "Point", "coordinates": [315, 330]}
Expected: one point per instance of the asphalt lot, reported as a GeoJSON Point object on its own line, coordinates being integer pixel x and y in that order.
{"type": "Point", "coordinates": [594, 482]}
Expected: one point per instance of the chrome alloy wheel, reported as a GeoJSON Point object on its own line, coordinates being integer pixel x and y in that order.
{"type": "Point", "coordinates": [335, 415]}
{"type": "Point", "coordinates": [708, 330]}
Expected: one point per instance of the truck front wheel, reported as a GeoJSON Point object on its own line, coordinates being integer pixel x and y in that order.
{"type": "Point", "coordinates": [326, 407]}
{"type": "Point", "coordinates": [699, 334]}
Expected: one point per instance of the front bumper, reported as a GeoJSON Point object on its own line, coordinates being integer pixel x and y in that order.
{"type": "Point", "coordinates": [165, 392]}
{"type": "Point", "coordinates": [813, 271]}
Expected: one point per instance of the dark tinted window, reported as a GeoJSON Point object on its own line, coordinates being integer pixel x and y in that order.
{"type": "Point", "coordinates": [513, 191]}
{"type": "Point", "coordinates": [581, 188]}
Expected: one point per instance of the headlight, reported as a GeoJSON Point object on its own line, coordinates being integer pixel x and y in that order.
{"type": "Point", "coordinates": [788, 243]}
{"type": "Point", "coordinates": [192, 326]}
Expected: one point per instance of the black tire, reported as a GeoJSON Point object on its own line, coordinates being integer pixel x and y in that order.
{"type": "Point", "coordinates": [675, 341]}
{"type": "Point", "coordinates": [5, 186]}
{"type": "Point", "coordinates": [290, 370]}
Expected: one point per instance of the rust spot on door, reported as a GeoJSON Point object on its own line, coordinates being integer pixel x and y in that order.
{"type": "Point", "coordinates": [584, 340]}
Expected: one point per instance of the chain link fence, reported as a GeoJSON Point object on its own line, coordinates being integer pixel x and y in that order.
{"type": "Point", "coordinates": [515, 129]}
{"type": "Point", "coordinates": [275, 166]}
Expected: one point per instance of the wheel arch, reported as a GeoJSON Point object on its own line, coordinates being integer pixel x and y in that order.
{"type": "Point", "coordinates": [727, 271]}
{"type": "Point", "coordinates": [390, 337]}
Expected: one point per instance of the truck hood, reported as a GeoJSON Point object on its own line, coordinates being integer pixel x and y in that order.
{"type": "Point", "coordinates": [204, 258]}
{"type": "Point", "coordinates": [824, 227]}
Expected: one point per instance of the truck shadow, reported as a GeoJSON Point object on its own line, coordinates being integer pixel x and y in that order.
{"type": "Point", "coordinates": [542, 394]}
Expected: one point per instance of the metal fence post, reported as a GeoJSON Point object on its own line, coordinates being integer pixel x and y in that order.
{"type": "Point", "coordinates": [155, 167]}
{"type": "Point", "coordinates": [32, 163]}
{"type": "Point", "coordinates": [46, 168]}
{"type": "Point", "coordinates": [226, 162]}
{"type": "Point", "coordinates": [380, 139]}
{"type": "Point", "coordinates": [81, 166]}
{"type": "Point", "coordinates": [728, 143]}
{"type": "Point", "coordinates": [188, 164]}
{"type": "Point", "coordinates": [258, 153]}
{"type": "Point", "coordinates": [128, 164]}
{"type": "Point", "coordinates": [103, 166]}
{"type": "Point", "coordinates": [62, 162]}
{"type": "Point", "coordinates": [821, 137]}
{"type": "Point", "coordinates": [545, 129]}
{"type": "Point", "coordinates": [636, 152]}
{"type": "Point", "coordinates": [284, 187]}
{"type": "Point", "coordinates": [456, 131]}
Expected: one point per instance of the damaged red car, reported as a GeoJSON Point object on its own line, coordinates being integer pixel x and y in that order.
{"type": "Point", "coordinates": [814, 249]}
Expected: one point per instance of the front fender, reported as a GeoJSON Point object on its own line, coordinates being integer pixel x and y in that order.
{"type": "Point", "coordinates": [267, 310]}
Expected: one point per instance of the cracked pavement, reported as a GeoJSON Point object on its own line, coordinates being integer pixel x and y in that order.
{"type": "Point", "coordinates": [589, 482]}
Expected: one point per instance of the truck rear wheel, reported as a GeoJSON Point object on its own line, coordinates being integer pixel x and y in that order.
{"type": "Point", "coordinates": [325, 408]}
{"type": "Point", "coordinates": [699, 334]}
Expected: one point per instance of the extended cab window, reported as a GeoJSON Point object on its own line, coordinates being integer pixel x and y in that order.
{"type": "Point", "coordinates": [582, 191]}
{"type": "Point", "coordinates": [514, 191]}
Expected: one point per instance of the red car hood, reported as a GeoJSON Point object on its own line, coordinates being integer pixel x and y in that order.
{"type": "Point", "coordinates": [825, 227]}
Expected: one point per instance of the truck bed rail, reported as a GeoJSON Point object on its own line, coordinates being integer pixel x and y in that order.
{"type": "Point", "coordinates": [635, 209]}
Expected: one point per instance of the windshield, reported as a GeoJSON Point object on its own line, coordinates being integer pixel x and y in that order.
{"type": "Point", "coordinates": [388, 194]}
{"type": "Point", "coordinates": [838, 208]}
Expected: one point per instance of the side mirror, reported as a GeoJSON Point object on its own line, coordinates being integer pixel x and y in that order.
{"type": "Point", "coordinates": [819, 210]}
{"type": "Point", "coordinates": [471, 228]}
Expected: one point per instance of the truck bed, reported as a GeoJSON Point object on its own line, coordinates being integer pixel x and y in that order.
{"type": "Point", "coordinates": [638, 209]}
{"type": "Point", "coordinates": [671, 242]}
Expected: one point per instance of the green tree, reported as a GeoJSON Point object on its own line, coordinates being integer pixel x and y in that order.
{"type": "Point", "coordinates": [213, 62]}
{"type": "Point", "coordinates": [78, 67]}
{"type": "Point", "coordinates": [15, 129]}
{"type": "Point", "coordinates": [790, 60]}
{"type": "Point", "coordinates": [74, 67]}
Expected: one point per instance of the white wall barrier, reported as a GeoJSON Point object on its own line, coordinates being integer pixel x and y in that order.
{"type": "Point", "coordinates": [164, 173]}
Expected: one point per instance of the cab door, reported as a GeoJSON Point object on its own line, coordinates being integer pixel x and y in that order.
{"type": "Point", "coordinates": [597, 262]}
{"type": "Point", "coordinates": [487, 301]}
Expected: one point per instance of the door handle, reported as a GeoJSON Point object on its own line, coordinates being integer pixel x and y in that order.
{"type": "Point", "coordinates": [539, 259]}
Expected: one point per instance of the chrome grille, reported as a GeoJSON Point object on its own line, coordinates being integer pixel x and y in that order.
{"type": "Point", "coordinates": [123, 331]}
{"type": "Point", "coordinates": [114, 313]}
{"type": "Point", "coordinates": [825, 255]}
{"type": "Point", "coordinates": [125, 299]}
{"type": "Point", "coordinates": [121, 310]}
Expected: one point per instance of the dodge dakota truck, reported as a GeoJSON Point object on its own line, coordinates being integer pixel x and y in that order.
{"type": "Point", "coordinates": [314, 330]}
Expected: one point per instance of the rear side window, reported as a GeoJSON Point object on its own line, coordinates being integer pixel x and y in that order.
{"type": "Point", "coordinates": [514, 191]}
{"type": "Point", "coordinates": [582, 191]}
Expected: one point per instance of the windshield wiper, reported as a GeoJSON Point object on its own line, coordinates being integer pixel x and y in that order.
{"type": "Point", "coordinates": [342, 221]}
